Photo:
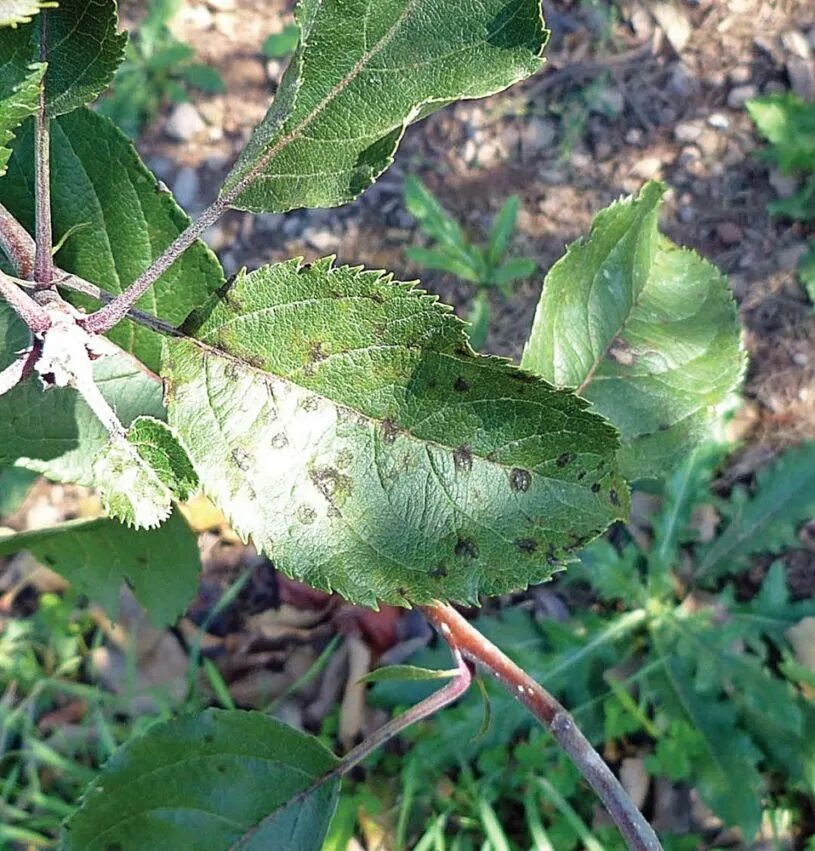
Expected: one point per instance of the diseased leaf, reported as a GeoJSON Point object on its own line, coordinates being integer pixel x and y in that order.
{"type": "Point", "coordinates": [218, 781]}
{"type": "Point", "coordinates": [340, 419]}
{"type": "Point", "coordinates": [97, 556]}
{"type": "Point", "coordinates": [767, 522]}
{"type": "Point", "coordinates": [80, 41]}
{"type": "Point", "coordinates": [644, 330]}
{"type": "Point", "coordinates": [158, 446]}
{"type": "Point", "coordinates": [362, 72]}
{"type": "Point", "coordinates": [129, 488]}
{"type": "Point", "coordinates": [55, 432]}
{"type": "Point", "coordinates": [128, 221]}
{"type": "Point", "coordinates": [15, 107]}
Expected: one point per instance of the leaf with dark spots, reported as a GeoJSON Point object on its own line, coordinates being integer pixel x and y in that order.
{"type": "Point", "coordinates": [358, 472]}
{"type": "Point", "coordinates": [460, 385]}
{"type": "Point", "coordinates": [527, 545]}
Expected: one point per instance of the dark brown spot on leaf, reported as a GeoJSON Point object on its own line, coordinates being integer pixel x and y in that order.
{"type": "Point", "coordinates": [526, 545]}
{"type": "Point", "coordinates": [595, 488]}
{"type": "Point", "coordinates": [317, 352]}
{"type": "Point", "coordinates": [390, 430]}
{"type": "Point", "coordinates": [332, 484]}
{"type": "Point", "coordinates": [460, 385]}
{"type": "Point", "coordinates": [581, 475]}
{"type": "Point", "coordinates": [565, 458]}
{"type": "Point", "coordinates": [438, 572]}
{"type": "Point", "coordinates": [463, 459]}
{"type": "Point", "coordinates": [614, 497]}
{"type": "Point", "coordinates": [466, 548]}
{"type": "Point", "coordinates": [242, 459]}
{"type": "Point", "coordinates": [520, 479]}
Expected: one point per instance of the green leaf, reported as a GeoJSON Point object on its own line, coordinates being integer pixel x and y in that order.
{"type": "Point", "coordinates": [443, 259]}
{"type": "Point", "coordinates": [14, 12]}
{"type": "Point", "coordinates": [807, 272]}
{"type": "Point", "coordinates": [434, 220]}
{"type": "Point", "coordinates": [205, 78]}
{"type": "Point", "coordinates": [502, 229]}
{"type": "Point", "coordinates": [15, 484]}
{"type": "Point", "coordinates": [129, 220]}
{"type": "Point", "coordinates": [767, 522]}
{"type": "Point", "coordinates": [15, 107]}
{"type": "Point", "coordinates": [129, 488]}
{"type": "Point", "coordinates": [280, 45]}
{"type": "Point", "coordinates": [512, 270]}
{"type": "Point", "coordinates": [159, 447]}
{"type": "Point", "coordinates": [787, 121]}
{"type": "Point", "coordinates": [479, 319]}
{"type": "Point", "coordinates": [83, 49]}
{"type": "Point", "coordinates": [97, 556]}
{"type": "Point", "coordinates": [340, 419]}
{"type": "Point", "coordinates": [55, 432]}
{"type": "Point", "coordinates": [800, 206]}
{"type": "Point", "coordinates": [363, 72]}
{"type": "Point", "coordinates": [646, 331]}
{"type": "Point", "coordinates": [725, 769]}
{"type": "Point", "coordinates": [407, 673]}
{"type": "Point", "coordinates": [224, 779]}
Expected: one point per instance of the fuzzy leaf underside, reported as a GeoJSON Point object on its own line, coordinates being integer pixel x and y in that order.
{"type": "Point", "coordinates": [83, 49]}
{"type": "Point", "coordinates": [55, 432]}
{"type": "Point", "coordinates": [15, 12]}
{"type": "Point", "coordinates": [646, 331]}
{"type": "Point", "coordinates": [138, 474]}
{"type": "Point", "coordinates": [362, 72]}
{"type": "Point", "coordinates": [218, 781]}
{"type": "Point", "coordinates": [15, 107]}
{"type": "Point", "coordinates": [123, 221]}
{"type": "Point", "coordinates": [98, 556]}
{"type": "Point", "coordinates": [767, 522]}
{"type": "Point", "coordinates": [342, 421]}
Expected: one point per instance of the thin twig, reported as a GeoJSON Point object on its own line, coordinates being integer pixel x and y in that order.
{"type": "Point", "coordinates": [112, 313]}
{"type": "Point", "coordinates": [43, 260]}
{"type": "Point", "coordinates": [32, 314]}
{"type": "Point", "coordinates": [461, 635]}
{"type": "Point", "coordinates": [453, 690]}
{"type": "Point", "coordinates": [18, 245]}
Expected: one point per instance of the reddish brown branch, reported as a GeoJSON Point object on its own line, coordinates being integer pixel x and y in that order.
{"type": "Point", "coordinates": [461, 635]}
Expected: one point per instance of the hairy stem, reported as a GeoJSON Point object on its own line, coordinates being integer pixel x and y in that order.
{"type": "Point", "coordinates": [17, 244]}
{"type": "Point", "coordinates": [111, 314]}
{"type": "Point", "coordinates": [461, 635]}
{"type": "Point", "coordinates": [43, 260]}
{"type": "Point", "coordinates": [34, 316]}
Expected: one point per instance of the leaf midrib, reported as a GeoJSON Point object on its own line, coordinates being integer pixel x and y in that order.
{"type": "Point", "coordinates": [213, 351]}
{"type": "Point", "coordinates": [257, 170]}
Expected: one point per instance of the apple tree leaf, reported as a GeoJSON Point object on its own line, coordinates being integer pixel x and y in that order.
{"type": "Point", "coordinates": [341, 420]}
{"type": "Point", "coordinates": [363, 72]}
{"type": "Point", "coordinates": [220, 780]}
{"type": "Point", "coordinates": [644, 330]}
